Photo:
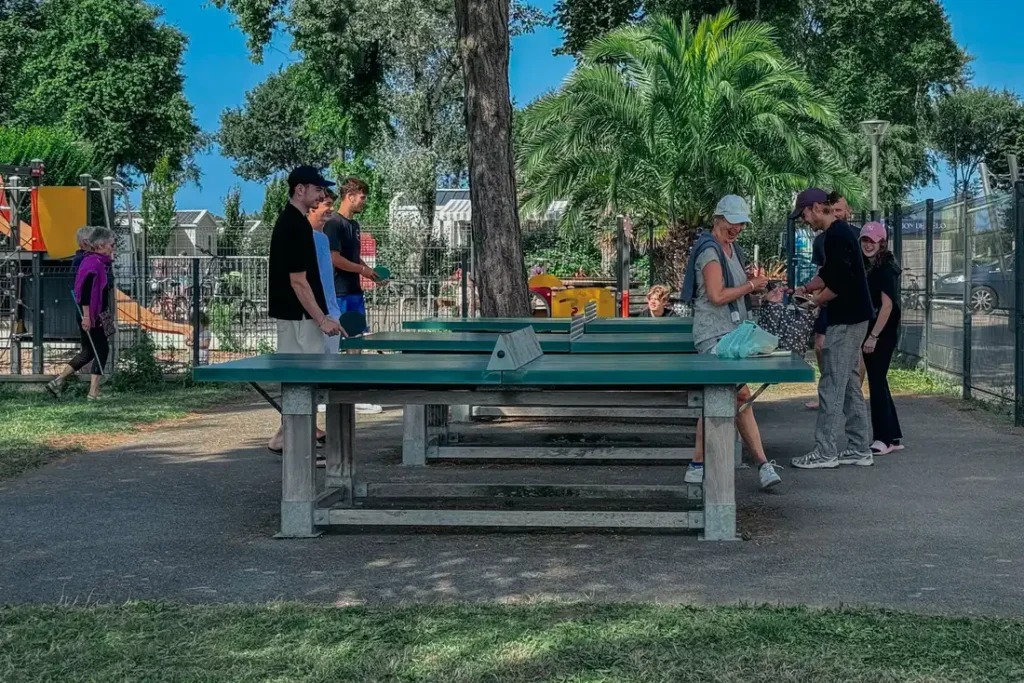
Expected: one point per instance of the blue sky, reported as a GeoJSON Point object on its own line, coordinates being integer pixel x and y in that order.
{"type": "Point", "coordinates": [218, 72]}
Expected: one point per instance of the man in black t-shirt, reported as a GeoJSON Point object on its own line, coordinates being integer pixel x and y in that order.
{"type": "Point", "coordinates": [296, 294]}
{"type": "Point", "coordinates": [842, 285]}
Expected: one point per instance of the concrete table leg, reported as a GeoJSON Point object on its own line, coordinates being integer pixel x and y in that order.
{"type": "Point", "coordinates": [298, 464]}
{"type": "Point", "coordinates": [461, 414]}
{"type": "Point", "coordinates": [719, 463]}
{"type": "Point", "coordinates": [341, 429]}
{"type": "Point", "coordinates": [414, 436]}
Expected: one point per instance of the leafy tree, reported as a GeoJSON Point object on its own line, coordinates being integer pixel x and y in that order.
{"type": "Point", "coordinates": [158, 211]}
{"type": "Point", "coordinates": [662, 119]}
{"type": "Point", "coordinates": [375, 213]}
{"type": "Point", "coordinates": [109, 72]}
{"type": "Point", "coordinates": [970, 125]}
{"type": "Point", "coordinates": [234, 222]}
{"type": "Point", "coordinates": [65, 157]}
{"type": "Point", "coordinates": [876, 58]}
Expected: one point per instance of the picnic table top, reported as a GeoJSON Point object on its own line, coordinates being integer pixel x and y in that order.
{"type": "Point", "coordinates": [483, 342]}
{"type": "Point", "coordinates": [547, 325]}
{"type": "Point", "coordinates": [470, 370]}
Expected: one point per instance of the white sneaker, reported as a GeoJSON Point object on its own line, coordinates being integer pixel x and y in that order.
{"type": "Point", "coordinates": [814, 461]}
{"type": "Point", "coordinates": [879, 448]}
{"type": "Point", "coordinates": [769, 477]}
{"type": "Point", "coordinates": [368, 409]}
{"type": "Point", "coordinates": [856, 458]}
{"type": "Point", "coordinates": [694, 474]}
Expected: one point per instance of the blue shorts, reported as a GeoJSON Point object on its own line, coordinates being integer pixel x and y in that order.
{"type": "Point", "coordinates": [353, 302]}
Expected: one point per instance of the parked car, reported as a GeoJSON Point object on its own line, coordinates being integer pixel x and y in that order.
{"type": "Point", "coordinates": [991, 286]}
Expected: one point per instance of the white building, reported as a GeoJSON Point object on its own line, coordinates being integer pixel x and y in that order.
{"type": "Point", "coordinates": [194, 234]}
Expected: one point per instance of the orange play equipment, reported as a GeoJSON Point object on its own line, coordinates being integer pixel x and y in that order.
{"type": "Point", "coordinates": [57, 213]}
{"type": "Point", "coordinates": [571, 302]}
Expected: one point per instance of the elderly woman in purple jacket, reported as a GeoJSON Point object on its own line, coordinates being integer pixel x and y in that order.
{"type": "Point", "coordinates": [92, 295]}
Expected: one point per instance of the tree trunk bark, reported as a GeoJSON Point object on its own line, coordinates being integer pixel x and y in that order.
{"type": "Point", "coordinates": [484, 47]}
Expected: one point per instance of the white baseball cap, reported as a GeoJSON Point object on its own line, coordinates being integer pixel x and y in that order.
{"type": "Point", "coordinates": [733, 208]}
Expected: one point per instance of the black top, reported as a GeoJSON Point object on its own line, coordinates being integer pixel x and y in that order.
{"type": "Point", "coordinates": [818, 249]}
{"type": "Point", "coordinates": [292, 250]}
{"type": "Point", "coordinates": [843, 273]}
{"type": "Point", "coordinates": [343, 234]}
{"type": "Point", "coordinates": [883, 278]}
{"type": "Point", "coordinates": [667, 313]}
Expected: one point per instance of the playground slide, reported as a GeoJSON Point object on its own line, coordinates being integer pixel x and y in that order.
{"type": "Point", "coordinates": [25, 232]}
{"type": "Point", "coordinates": [133, 313]}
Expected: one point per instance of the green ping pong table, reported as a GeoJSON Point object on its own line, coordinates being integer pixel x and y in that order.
{"type": "Point", "coordinates": [551, 325]}
{"type": "Point", "coordinates": [446, 443]}
{"type": "Point", "coordinates": [517, 373]}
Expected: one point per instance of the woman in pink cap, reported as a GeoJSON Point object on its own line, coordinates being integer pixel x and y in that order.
{"type": "Point", "coordinates": [883, 276]}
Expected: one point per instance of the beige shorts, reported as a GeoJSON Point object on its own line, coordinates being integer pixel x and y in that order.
{"type": "Point", "coordinates": [299, 336]}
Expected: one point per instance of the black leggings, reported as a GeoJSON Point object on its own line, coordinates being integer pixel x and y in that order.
{"type": "Point", "coordinates": [99, 339]}
{"type": "Point", "coordinates": [885, 423]}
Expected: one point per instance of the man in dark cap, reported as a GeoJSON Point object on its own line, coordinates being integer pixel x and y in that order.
{"type": "Point", "coordinates": [296, 297]}
{"type": "Point", "coordinates": [842, 284]}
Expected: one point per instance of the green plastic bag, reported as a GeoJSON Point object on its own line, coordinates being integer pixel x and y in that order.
{"type": "Point", "coordinates": [746, 340]}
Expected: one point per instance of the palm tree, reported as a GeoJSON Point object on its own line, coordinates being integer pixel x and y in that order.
{"type": "Point", "coordinates": [661, 119]}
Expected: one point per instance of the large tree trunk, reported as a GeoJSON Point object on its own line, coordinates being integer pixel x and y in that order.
{"type": "Point", "coordinates": [484, 47]}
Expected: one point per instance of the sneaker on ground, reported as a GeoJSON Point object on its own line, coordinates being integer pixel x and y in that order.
{"type": "Point", "coordinates": [814, 461]}
{"type": "Point", "coordinates": [368, 409]}
{"type": "Point", "coordinates": [694, 474]}
{"type": "Point", "coordinates": [769, 477]}
{"type": "Point", "coordinates": [811, 405]}
{"type": "Point", "coordinates": [856, 458]}
{"type": "Point", "coordinates": [55, 387]}
{"type": "Point", "coordinates": [879, 448]}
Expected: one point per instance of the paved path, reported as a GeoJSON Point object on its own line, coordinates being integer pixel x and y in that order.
{"type": "Point", "coordinates": [187, 514]}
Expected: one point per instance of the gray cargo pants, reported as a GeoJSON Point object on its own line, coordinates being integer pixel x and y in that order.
{"type": "Point", "coordinates": [839, 391]}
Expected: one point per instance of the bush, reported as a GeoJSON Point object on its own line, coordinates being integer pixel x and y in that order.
{"type": "Point", "coordinates": [222, 320]}
{"type": "Point", "coordinates": [137, 367]}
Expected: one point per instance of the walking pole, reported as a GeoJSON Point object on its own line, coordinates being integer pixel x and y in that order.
{"type": "Point", "coordinates": [95, 355]}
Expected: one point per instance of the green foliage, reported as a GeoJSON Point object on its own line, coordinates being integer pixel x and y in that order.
{"type": "Point", "coordinates": [65, 157]}
{"type": "Point", "coordinates": [138, 368]}
{"type": "Point", "coordinates": [877, 58]}
{"type": "Point", "coordinates": [233, 231]}
{"type": "Point", "coordinates": [264, 347]}
{"type": "Point", "coordinates": [565, 256]}
{"type": "Point", "coordinates": [661, 119]}
{"type": "Point", "coordinates": [158, 206]}
{"type": "Point", "coordinates": [222, 317]}
{"type": "Point", "coordinates": [108, 71]}
{"type": "Point", "coordinates": [376, 210]}
{"type": "Point", "coordinates": [972, 124]}
{"type": "Point", "coordinates": [291, 104]}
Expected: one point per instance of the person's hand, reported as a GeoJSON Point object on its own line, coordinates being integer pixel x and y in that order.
{"type": "Point", "coordinates": [330, 327]}
{"type": "Point", "coordinates": [86, 324]}
{"type": "Point", "coordinates": [869, 345]}
{"type": "Point", "coordinates": [799, 291]}
{"type": "Point", "coordinates": [370, 274]}
{"type": "Point", "coordinates": [758, 284]}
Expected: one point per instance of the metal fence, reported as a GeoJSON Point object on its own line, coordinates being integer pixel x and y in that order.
{"type": "Point", "coordinates": [961, 290]}
{"type": "Point", "coordinates": [200, 310]}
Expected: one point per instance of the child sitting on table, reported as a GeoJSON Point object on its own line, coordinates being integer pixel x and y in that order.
{"type": "Point", "coordinates": [658, 303]}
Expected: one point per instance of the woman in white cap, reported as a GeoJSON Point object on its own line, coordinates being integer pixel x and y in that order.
{"type": "Point", "coordinates": [883, 275]}
{"type": "Point", "coordinates": [717, 286]}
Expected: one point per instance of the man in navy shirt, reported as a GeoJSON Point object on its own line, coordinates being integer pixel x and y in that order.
{"type": "Point", "coordinates": [841, 284]}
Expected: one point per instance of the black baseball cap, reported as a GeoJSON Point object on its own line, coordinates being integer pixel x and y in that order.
{"type": "Point", "coordinates": [307, 175]}
{"type": "Point", "coordinates": [808, 197]}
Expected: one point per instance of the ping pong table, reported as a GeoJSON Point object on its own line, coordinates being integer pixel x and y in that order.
{"type": "Point", "coordinates": [447, 444]}
{"type": "Point", "coordinates": [516, 373]}
{"type": "Point", "coordinates": [551, 325]}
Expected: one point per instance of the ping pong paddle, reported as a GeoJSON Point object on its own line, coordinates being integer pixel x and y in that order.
{"type": "Point", "coordinates": [353, 322]}
{"type": "Point", "coordinates": [383, 272]}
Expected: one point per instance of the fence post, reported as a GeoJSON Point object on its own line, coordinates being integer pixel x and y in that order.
{"type": "Point", "coordinates": [464, 284]}
{"type": "Point", "coordinates": [897, 246]}
{"type": "Point", "coordinates": [622, 267]}
{"type": "Point", "coordinates": [1018, 302]}
{"type": "Point", "coordinates": [968, 313]}
{"type": "Point", "coordinates": [37, 313]}
{"type": "Point", "coordinates": [791, 252]}
{"type": "Point", "coordinates": [929, 272]}
{"type": "Point", "coordinates": [196, 284]}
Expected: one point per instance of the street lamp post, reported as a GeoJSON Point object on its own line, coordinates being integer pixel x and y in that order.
{"type": "Point", "coordinates": [875, 130]}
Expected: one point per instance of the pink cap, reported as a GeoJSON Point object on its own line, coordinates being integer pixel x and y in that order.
{"type": "Point", "coordinates": [874, 231]}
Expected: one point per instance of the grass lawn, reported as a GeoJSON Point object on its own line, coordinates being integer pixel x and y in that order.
{"type": "Point", "coordinates": [506, 644]}
{"type": "Point", "coordinates": [35, 428]}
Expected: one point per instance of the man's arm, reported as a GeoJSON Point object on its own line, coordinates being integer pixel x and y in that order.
{"type": "Point", "coordinates": [342, 263]}
{"type": "Point", "coordinates": [305, 294]}
{"type": "Point", "coordinates": [815, 284]}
